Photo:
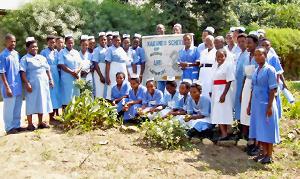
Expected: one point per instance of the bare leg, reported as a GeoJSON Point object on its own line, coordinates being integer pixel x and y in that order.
{"type": "Point", "coordinates": [40, 116]}
{"type": "Point", "coordinates": [29, 119]}
{"type": "Point", "coordinates": [223, 128]}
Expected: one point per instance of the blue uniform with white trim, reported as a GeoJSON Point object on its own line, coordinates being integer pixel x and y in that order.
{"type": "Point", "coordinates": [190, 55]}
{"type": "Point", "coordinates": [118, 93]}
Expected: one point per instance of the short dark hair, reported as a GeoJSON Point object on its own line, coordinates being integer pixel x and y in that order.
{"type": "Point", "coordinates": [50, 37]}
{"type": "Point", "coordinates": [68, 38]}
{"type": "Point", "coordinates": [242, 35]}
{"type": "Point", "coordinates": [135, 79]}
{"type": "Point", "coordinates": [59, 37]}
{"type": "Point", "coordinates": [186, 84]}
{"type": "Point", "coordinates": [121, 73]}
{"type": "Point", "coordinates": [197, 86]}
{"type": "Point", "coordinates": [30, 42]}
{"type": "Point", "coordinates": [172, 83]}
{"type": "Point", "coordinates": [151, 81]}
{"type": "Point", "coordinates": [209, 32]}
{"type": "Point", "coordinates": [254, 38]}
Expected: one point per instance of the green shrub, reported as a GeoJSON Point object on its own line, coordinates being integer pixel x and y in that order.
{"type": "Point", "coordinates": [286, 42]}
{"type": "Point", "coordinates": [85, 114]}
{"type": "Point", "coordinates": [165, 133]}
{"type": "Point", "coordinates": [292, 111]}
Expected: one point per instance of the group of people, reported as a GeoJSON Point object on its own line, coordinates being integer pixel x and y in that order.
{"type": "Point", "coordinates": [238, 77]}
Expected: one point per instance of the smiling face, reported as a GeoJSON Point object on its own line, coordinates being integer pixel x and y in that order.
{"type": "Point", "coordinates": [195, 92]}
{"type": "Point", "coordinates": [102, 41]}
{"type": "Point", "coordinates": [126, 43]}
{"type": "Point", "coordinates": [260, 56]}
{"type": "Point", "coordinates": [160, 30]}
{"type": "Point", "coordinates": [171, 89]}
{"type": "Point", "coordinates": [109, 40]}
{"type": "Point", "coordinates": [229, 39]}
{"type": "Point", "coordinates": [150, 87]}
{"type": "Point", "coordinates": [209, 43]}
{"type": "Point", "coordinates": [266, 44]}
{"type": "Point", "coordinates": [218, 43]}
{"type": "Point", "coordinates": [117, 42]}
{"type": "Point", "coordinates": [120, 78]}
{"type": "Point", "coordinates": [134, 84]}
{"type": "Point", "coordinates": [187, 40]}
{"type": "Point", "coordinates": [176, 30]}
{"type": "Point", "coordinates": [135, 43]}
{"type": "Point", "coordinates": [204, 35]}
{"type": "Point", "coordinates": [84, 44]}
{"type": "Point", "coordinates": [251, 45]}
{"type": "Point", "coordinates": [33, 49]}
{"type": "Point", "coordinates": [220, 57]}
{"type": "Point", "coordinates": [183, 90]}
{"type": "Point", "coordinates": [91, 43]}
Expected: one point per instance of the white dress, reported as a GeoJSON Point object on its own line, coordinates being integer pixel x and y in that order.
{"type": "Point", "coordinates": [206, 57]}
{"type": "Point", "coordinates": [248, 71]}
{"type": "Point", "coordinates": [222, 112]}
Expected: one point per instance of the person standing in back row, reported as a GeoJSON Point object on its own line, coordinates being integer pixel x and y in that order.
{"type": "Point", "coordinates": [11, 85]}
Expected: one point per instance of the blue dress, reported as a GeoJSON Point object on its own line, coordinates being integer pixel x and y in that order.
{"type": "Point", "coordinates": [189, 56]}
{"type": "Point", "coordinates": [116, 93]}
{"type": "Point", "coordinates": [140, 53]}
{"type": "Point", "coordinates": [151, 101]}
{"type": "Point", "coordinates": [55, 92]}
{"type": "Point", "coordinates": [72, 60]}
{"type": "Point", "coordinates": [263, 128]}
{"type": "Point", "coordinates": [275, 62]}
{"type": "Point", "coordinates": [10, 67]}
{"type": "Point", "coordinates": [132, 111]}
{"type": "Point", "coordinates": [170, 101]}
{"type": "Point", "coordinates": [183, 102]}
{"type": "Point", "coordinates": [239, 77]}
{"type": "Point", "coordinates": [39, 100]}
{"type": "Point", "coordinates": [203, 107]}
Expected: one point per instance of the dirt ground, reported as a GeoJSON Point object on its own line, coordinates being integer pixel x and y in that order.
{"type": "Point", "coordinates": [50, 153]}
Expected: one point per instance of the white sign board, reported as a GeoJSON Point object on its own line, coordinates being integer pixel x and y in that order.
{"type": "Point", "coordinates": [161, 53]}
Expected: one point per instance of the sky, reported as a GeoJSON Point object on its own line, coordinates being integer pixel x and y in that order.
{"type": "Point", "coordinates": [12, 4]}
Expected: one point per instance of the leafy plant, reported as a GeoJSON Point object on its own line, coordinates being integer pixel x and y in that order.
{"type": "Point", "coordinates": [83, 85]}
{"type": "Point", "coordinates": [164, 132]}
{"type": "Point", "coordinates": [85, 114]}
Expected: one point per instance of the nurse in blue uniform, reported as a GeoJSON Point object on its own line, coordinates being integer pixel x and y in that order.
{"type": "Point", "coordinates": [120, 92]}
{"type": "Point", "coordinates": [153, 97]}
{"type": "Point", "coordinates": [274, 61]}
{"type": "Point", "coordinates": [132, 55]}
{"type": "Point", "coordinates": [135, 99]}
{"type": "Point", "coordinates": [69, 62]}
{"type": "Point", "coordinates": [99, 64]}
{"type": "Point", "coordinates": [239, 73]}
{"type": "Point", "coordinates": [264, 126]}
{"type": "Point", "coordinates": [86, 60]}
{"type": "Point", "coordinates": [36, 76]}
{"type": "Point", "coordinates": [116, 61]}
{"type": "Point", "coordinates": [50, 53]}
{"type": "Point", "coordinates": [138, 65]}
{"type": "Point", "coordinates": [189, 59]}
{"type": "Point", "coordinates": [11, 85]}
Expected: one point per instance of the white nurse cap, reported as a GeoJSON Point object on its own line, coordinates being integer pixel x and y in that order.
{"type": "Point", "coordinates": [91, 37]}
{"type": "Point", "coordinates": [178, 25]}
{"type": "Point", "coordinates": [69, 35]}
{"type": "Point", "coordinates": [241, 28]}
{"type": "Point", "coordinates": [134, 75]}
{"type": "Point", "coordinates": [187, 80]}
{"type": "Point", "coordinates": [210, 29]}
{"type": "Point", "coordinates": [261, 31]}
{"type": "Point", "coordinates": [232, 29]}
{"type": "Point", "coordinates": [84, 37]}
{"type": "Point", "coordinates": [30, 39]}
{"type": "Point", "coordinates": [253, 33]}
{"type": "Point", "coordinates": [115, 33]}
{"type": "Point", "coordinates": [150, 79]}
{"type": "Point", "coordinates": [136, 35]}
{"type": "Point", "coordinates": [101, 34]}
{"type": "Point", "coordinates": [108, 33]}
{"type": "Point", "coordinates": [126, 36]}
{"type": "Point", "coordinates": [170, 78]}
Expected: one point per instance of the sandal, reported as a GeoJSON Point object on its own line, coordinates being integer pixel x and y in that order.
{"type": "Point", "coordinates": [43, 126]}
{"type": "Point", "coordinates": [30, 128]}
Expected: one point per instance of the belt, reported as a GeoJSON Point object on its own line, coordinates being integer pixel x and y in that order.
{"type": "Point", "coordinates": [206, 65]}
{"type": "Point", "coordinates": [220, 82]}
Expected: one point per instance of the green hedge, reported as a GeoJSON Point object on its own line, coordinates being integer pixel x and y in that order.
{"type": "Point", "coordinates": [286, 42]}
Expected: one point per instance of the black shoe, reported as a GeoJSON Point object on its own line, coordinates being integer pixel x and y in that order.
{"type": "Point", "coordinates": [248, 148]}
{"type": "Point", "coordinates": [258, 158]}
{"type": "Point", "coordinates": [12, 131]}
{"type": "Point", "coordinates": [224, 138]}
{"type": "Point", "coordinates": [21, 129]}
{"type": "Point", "coordinates": [30, 128]}
{"type": "Point", "coordinates": [266, 160]}
{"type": "Point", "coordinates": [192, 133]}
{"type": "Point", "coordinates": [255, 151]}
